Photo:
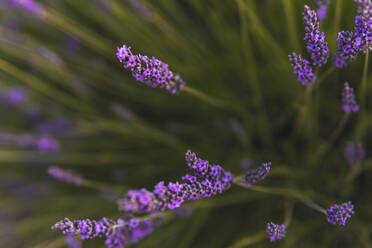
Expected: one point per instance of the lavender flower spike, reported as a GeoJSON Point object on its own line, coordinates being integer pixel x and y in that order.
{"type": "Point", "coordinates": [117, 233]}
{"type": "Point", "coordinates": [65, 175]}
{"type": "Point", "coordinates": [348, 99]}
{"type": "Point", "coordinates": [302, 69]}
{"type": "Point", "coordinates": [323, 6]}
{"type": "Point", "coordinates": [354, 152]}
{"type": "Point", "coordinates": [30, 6]}
{"type": "Point", "coordinates": [316, 45]}
{"type": "Point", "coordinates": [260, 173]}
{"type": "Point", "coordinates": [208, 180]}
{"type": "Point", "coordinates": [339, 214]}
{"type": "Point", "coordinates": [152, 72]}
{"type": "Point", "coordinates": [276, 232]}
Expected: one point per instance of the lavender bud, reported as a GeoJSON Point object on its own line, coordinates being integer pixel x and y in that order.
{"type": "Point", "coordinates": [65, 175]}
{"type": "Point", "coordinates": [339, 214]}
{"type": "Point", "coordinates": [354, 153]}
{"type": "Point", "coordinates": [348, 99]}
{"type": "Point", "coordinates": [276, 232]}
{"type": "Point", "coordinates": [302, 69]}
{"type": "Point", "coordinates": [252, 177]}
{"type": "Point", "coordinates": [30, 6]}
{"type": "Point", "coordinates": [316, 45]}
{"type": "Point", "coordinates": [152, 72]}
{"type": "Point", "coordinates": [323, 6]}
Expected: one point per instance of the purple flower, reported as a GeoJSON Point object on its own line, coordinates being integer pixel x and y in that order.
{"type": "Point", "coordinates": [245, 163]}
{"type": "Point", "coordinates": [30, 6]}
{"type": "Point", "coordinates": [316, 44]}
{"type": "Point", "coordinates": [117, 233]}
{"type": "Point", "coordinates": [72, 242]}
{"type": "Point", "coordinates": [141, 8]}
{"type": "Point", "coordinates": [207, 181]}
{"type": "Point", "coordinates": [252, 177]}
{"type": "Point", "coordinates": [348, 99]}
{"type": "Point", "coordinates": [354, 152]}
{"type": "Point", "coordinates": [16, 96]}
{"type": "Point", "coordinates": [45, 143]}
{"type": "Point", "coordinates": [276, 232]}
{"type": "Point", "coordinates": [363, 33]}
{"type": "Point", "coordinates": [346, 51]}
{"type": "Point", "coordinates": [65, 175]}
{"type": "Point", "coordinates": [364, 8]}
{"type": "Point", "coordinates": [322, 10]}
{"type": "Point", "coordinates": [339, 214]}
{"type": "Point", "coordinates": [152, 72]}
{"type": "Point", "coordinates": [302, 69]}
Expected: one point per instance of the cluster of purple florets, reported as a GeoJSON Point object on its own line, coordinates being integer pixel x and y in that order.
{"type": "Point", "coordinates": [117, 233]}
{"type": "Point", "coordinates": [302, 69]}
{"type": "Point", "coordinates": [276, 232]}
{"type": "Point", "coordinates": [354, 152]}
{"type": "Point", "coordinates": [322, 10]}
{"type": "Point", "coordinates": [348, 99]}
{"type": "Point", "coordinates": [339, 214]}
{"type": "Point", "coordinates": [351, 43]}
{"type": "Point", "coordinates": [316, 45]}
{"type": "Point", "coordinates": [207, 181]}
{"type": "Point", "coordinates": [150, 71]}
{"type": "Point", "coordinates": [260, 173]}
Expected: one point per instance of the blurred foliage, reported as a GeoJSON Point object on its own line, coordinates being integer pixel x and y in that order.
{"type": "Point", "coordinates": [234, 51]}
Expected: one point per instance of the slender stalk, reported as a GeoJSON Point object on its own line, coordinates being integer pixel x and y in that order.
{"type": "Point", "coordinates": [282, 191]}
{"type": "Point", "coordinates": [288, 213]}
{"type": "Point", "coordinates": [250, 240]}
{"type": "Point", "coordinates": [363, 87]}
{"type": "Point", "coordinates": [291, 23]}
{"type": "Point", "coordinates": [323, 149]}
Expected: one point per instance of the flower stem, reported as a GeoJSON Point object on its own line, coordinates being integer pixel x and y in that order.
{"type": "Point", "coordinates": [281, 191]}
{"type": "Point", "coordinates": [363, 87]}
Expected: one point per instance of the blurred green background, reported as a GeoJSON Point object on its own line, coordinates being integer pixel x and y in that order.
{"type": "Point", "coordinates": [125, 134]}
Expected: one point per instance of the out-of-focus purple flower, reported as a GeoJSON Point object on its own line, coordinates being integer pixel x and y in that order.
{"type": "Point", "coordinates": [252, 177]}
{"type": "Point", "coordinates": [57, 126]}
{"type": "Point", "coordinates": [245, 163]}
{"type": "Point", "coordinates": [16, 96]}
{"type": "Point", "coordinates": [276, 232]}
{"type": "Point", "coordinates": [117, 233]}
{"type": "Point", "coordinates": [182, 212]}
{"type": "Point", "coordinates": [348, 99]}
{"type": "Point", "coordinates": [322, 8]}
{"type": "Point", "coordinates": [207, 181]}
{"type": "Point", "coordinates": [31, 6]}
{"type": "Point", "coordinates": [72, 242]}
{"type": "Point", "coordinates": [339, 214]}
{"type": "Point", "coordinates": [65, 175]}
{"type": "Point", "coordinates": [31, 113]}
{"type": "Point", "coordinates": [302, 69]}
{"type": "Point", "coordinates": [45, 143]}
{"type": "Point", "coordinates": [141, 8]}
{"type": "Point", "coordinates": [316, 45]}
{"type": "Point", "coordinates": [104, 5]}
{"type": "Point", "coordinates": [123, 112]}
{"type": "Point", "coordinates": [72, 44]}
{"type": "Point", "coordinates": [354, 152]}
{"type": "Point", "coordinates": [152, 72]}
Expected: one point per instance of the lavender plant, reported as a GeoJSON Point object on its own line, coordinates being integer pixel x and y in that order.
{"type": "Point", "coordinates": [121, 178]}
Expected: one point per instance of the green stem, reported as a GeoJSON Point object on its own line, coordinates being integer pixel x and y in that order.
{"type": "Point", "coordinates": [282, 191]}
{"type": "Point", "coordinates": [253, 239]}
{"type": "Point", "coordinates": [363, 87]}
{"type": "Point", "coordinates": [202, 96]}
